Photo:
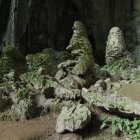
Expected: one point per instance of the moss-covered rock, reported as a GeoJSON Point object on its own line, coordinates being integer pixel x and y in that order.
{"type": "Point", "coordinates": [24, 109]}
{"type": "Point", "coordinates": [118, 59]}
{"type": "Point", "coordinates": [72, 119]}
{"type": "Point", "coordinates": [120, 67]}
{"type": "Point", "coordinates": [116, 47]}
{"type": "Point", "coordinates": [78, 70]}
{"type": "Point", "coordinates": [81, 50]}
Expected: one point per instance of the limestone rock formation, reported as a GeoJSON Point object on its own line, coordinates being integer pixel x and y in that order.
{"type": "Point", "coordinates": [72, 119]}
{"type": "Point", "coordinates": [116, 47]}
{"type": "Point", "coordinates": [78, 71]}
{"type": "Point", "coordinates": [118, 59]}
{"type": "Point", "coordinates": [121, 105]}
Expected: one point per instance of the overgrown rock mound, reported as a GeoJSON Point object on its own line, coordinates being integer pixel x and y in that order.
{"type": "Point", "coordinates": [78, 71]}
{"type": "Point", "coordinates": [118, 58]}
{"type": "Point", "coordinates": [72, 119]}
{"type": "Point", "coordinates": [116, 47]}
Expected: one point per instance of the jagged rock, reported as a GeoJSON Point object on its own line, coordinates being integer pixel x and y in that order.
{"type": "Point", "coordinates": [79, 70]}
{"type": "Point", "coordinates": [55, 105]}
{"type": "Point", "coordinates": [73, 82]}
{"type": "Point", "coordinates": [48, 86]}
{"type": "Point", "coordinates": [121, 105]}
{"type": "Point", "coordinates": [100, 84]}
{"type": "Point", "coordinates": [103, 74]}
{"type": "Point", "coordinates": [66, 93]}
{"type": "Point", "coordinates": [72, 119]}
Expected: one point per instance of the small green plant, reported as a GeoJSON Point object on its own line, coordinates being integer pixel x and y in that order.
{"type": "Point", "coordinates": [22, 93]}
{"type": "Point", "coordinates": [104, 121]}
{"type": "Point", "coordinates": [126, 126]}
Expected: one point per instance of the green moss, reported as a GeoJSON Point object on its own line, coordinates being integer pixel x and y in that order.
{"type": "Point", "coordinates": [81, 50]}
{"type": "Point", "coordinates": [122, 67]}
{"type": "Point", "coordinates": [48, 59]}
{"type": "Point", "coordinates": [33, 79]}
{"type": "Point", "coordinates": [22, 93]}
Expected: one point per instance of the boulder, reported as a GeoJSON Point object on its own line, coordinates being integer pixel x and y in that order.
{"type": "Point", "coordinates": [101, 83]}
{"type": "Point", "coordinates": [67, 93]}
{"type": "Point", "coordinates": [72, 119]}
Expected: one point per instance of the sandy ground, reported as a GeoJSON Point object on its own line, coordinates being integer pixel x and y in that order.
{"type": "Point", "coordinates": [43, 128]}
{"type": "Point", "coordinates": [28, 130]}
{"type": "Point", "coordinates": [131, 90]}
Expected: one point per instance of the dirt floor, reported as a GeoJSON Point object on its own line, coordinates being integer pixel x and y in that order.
{"type": "Point", "coordinates": [43, 128]}
{"type": "Point", "coordinates": [131, 90]}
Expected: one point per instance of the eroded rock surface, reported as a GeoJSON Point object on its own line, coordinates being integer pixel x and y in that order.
{"type": "Point", "coordinates": [74, 73]}
{"type": "Point", "coordinates": [114, 103]}
{"type": "Point", "coordinates": [72, 119]}
{"type": "Point", "coordinates": [116, 47]}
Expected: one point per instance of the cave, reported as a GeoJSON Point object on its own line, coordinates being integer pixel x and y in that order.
{"type": "Point", "coordinates": [69, 69]}
{"type": "Point", "coordinates": [32, 26]}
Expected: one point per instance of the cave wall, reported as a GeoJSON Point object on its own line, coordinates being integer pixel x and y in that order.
{"type": "Point", "coordinates": [132, 31]}
{"type": "Point", "coordinates": [33, 25]}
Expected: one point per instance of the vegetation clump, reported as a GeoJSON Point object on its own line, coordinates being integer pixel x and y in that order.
{"type": "Point", "coordinates": [129, 127]}
{"type": "Point", "coordinates": [118, 59]}
{"type": "Point", "coordinates": [48, 59]}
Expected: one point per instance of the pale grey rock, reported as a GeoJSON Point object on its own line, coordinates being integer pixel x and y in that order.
{"type": "Point", "coordinates": [108, 83]}
{"type": "Point", "coordinates": [101, 84]}
{"type": "Point", "coordinates": [72, 119]}
{"type": "Point", "coordinates": [66, 93]}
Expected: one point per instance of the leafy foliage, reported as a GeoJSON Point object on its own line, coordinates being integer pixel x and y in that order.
{"type": "Point", "coordinates": [104, 121]}
{"type": "Point", "coordinates": [48, 59]}
{"type": "Point", "coordinates": [130, 128]}
{"type": "Point", "coordinates": [22, 93]}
